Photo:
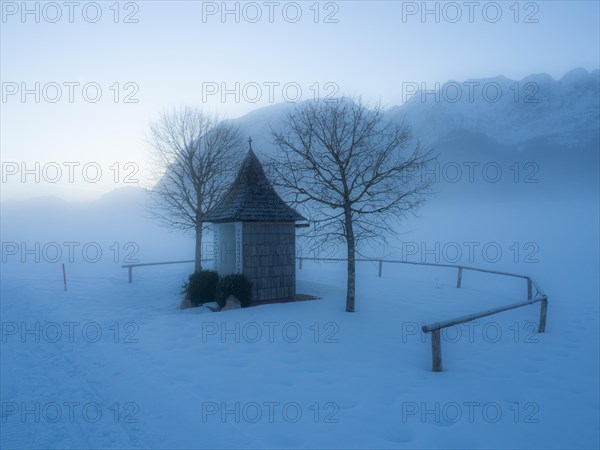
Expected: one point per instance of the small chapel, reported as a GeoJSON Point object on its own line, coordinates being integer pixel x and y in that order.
{"type": "Point", "coordinates": [255, 233]}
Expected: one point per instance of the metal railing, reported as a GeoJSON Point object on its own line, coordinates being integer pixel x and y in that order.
{"type": "Point", "coordinates": [433, 328]}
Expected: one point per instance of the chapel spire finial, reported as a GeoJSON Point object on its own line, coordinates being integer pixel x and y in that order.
{"type": "Point", "coordinates": [250, 143]}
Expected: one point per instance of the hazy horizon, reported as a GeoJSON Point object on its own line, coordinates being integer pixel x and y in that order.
{"type": "Point", "coordinates": [142, 58]}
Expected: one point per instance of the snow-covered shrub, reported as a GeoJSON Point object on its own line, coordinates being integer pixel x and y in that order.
{"type": "Point", "coordinates": [237, 285]}
{"type": "Point", "coordinates": [201, 287]}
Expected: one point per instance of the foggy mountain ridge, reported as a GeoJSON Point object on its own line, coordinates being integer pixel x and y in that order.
{"type": "Point", "coordinates": [551, 140]}
{"type": "Point", "coordinates": [510, 112]}
{"type": "Point", "coordinates": [564, 122]}
{"type": "Point", "coordinates": [535, 110]}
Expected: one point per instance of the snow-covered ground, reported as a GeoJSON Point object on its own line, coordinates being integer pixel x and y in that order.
{"type": "Point", "coordinates": [308, 374]}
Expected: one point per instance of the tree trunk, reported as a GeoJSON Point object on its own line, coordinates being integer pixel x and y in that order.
{"type": "Point", "coordinates": [351, 286]}
{"type": "Point", "coordinates": [198, 254]}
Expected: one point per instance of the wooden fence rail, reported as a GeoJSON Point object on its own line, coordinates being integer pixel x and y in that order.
{"type": "Point", "coordinates": [434, 328]}
{"type": "Point", "coordinates": [131, 266]}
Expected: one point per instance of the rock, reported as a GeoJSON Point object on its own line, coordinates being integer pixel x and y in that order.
{"type": "Point", "coordinates": [185, 302]}
{"type": "Point", "coordinates": [231, 303]}
{"type": "Point", "coordinates": [213, 306]}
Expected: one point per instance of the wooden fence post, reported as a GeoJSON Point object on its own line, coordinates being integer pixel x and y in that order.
{"type": "Point", "coordinates": [436, 351]}
{"type": "Point", "coordinates": [380, 267]}
{"type": "Point", "coordinates": [64, 276]}
{"type": "Point", "coordinates": [543, 311]}
{"type": "Point", "coordinates": [130, 274]}
{"type": "Point", "coordinates": [459, 279]}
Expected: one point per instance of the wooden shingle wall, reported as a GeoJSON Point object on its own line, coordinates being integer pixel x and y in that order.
{"type": "Point", "coordinates": [269, 259]}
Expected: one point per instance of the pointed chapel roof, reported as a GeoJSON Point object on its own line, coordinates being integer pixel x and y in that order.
{"type": "Point", "coordinates": [251, 198]}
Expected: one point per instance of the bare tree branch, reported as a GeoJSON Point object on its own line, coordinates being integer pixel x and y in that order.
{"type": "Point", "coordinates": [195, 156]}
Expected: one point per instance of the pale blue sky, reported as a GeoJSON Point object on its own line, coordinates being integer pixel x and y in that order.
{"type": "Point", "coordinates": [171, 52]}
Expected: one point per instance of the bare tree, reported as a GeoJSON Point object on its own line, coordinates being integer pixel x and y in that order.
{"type": "Point", "coordinates": [352, 174]}
{"type": "Point", "coordinates": [195, 155]}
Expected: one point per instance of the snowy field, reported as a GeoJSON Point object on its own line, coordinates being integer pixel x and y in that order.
{"type": "Point", "coordinates": [122, 127]}
{"type": "Point", "coordinates": [115, 365]}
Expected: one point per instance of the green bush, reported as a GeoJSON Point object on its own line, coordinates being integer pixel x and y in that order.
{"type": "Point", "coordinates": [237, 285]}
{"type": "Point", "coordinates": [201, 287]}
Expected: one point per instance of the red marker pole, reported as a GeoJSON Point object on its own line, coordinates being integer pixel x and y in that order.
{"type": "Point", "coordinates": [64, 277]}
